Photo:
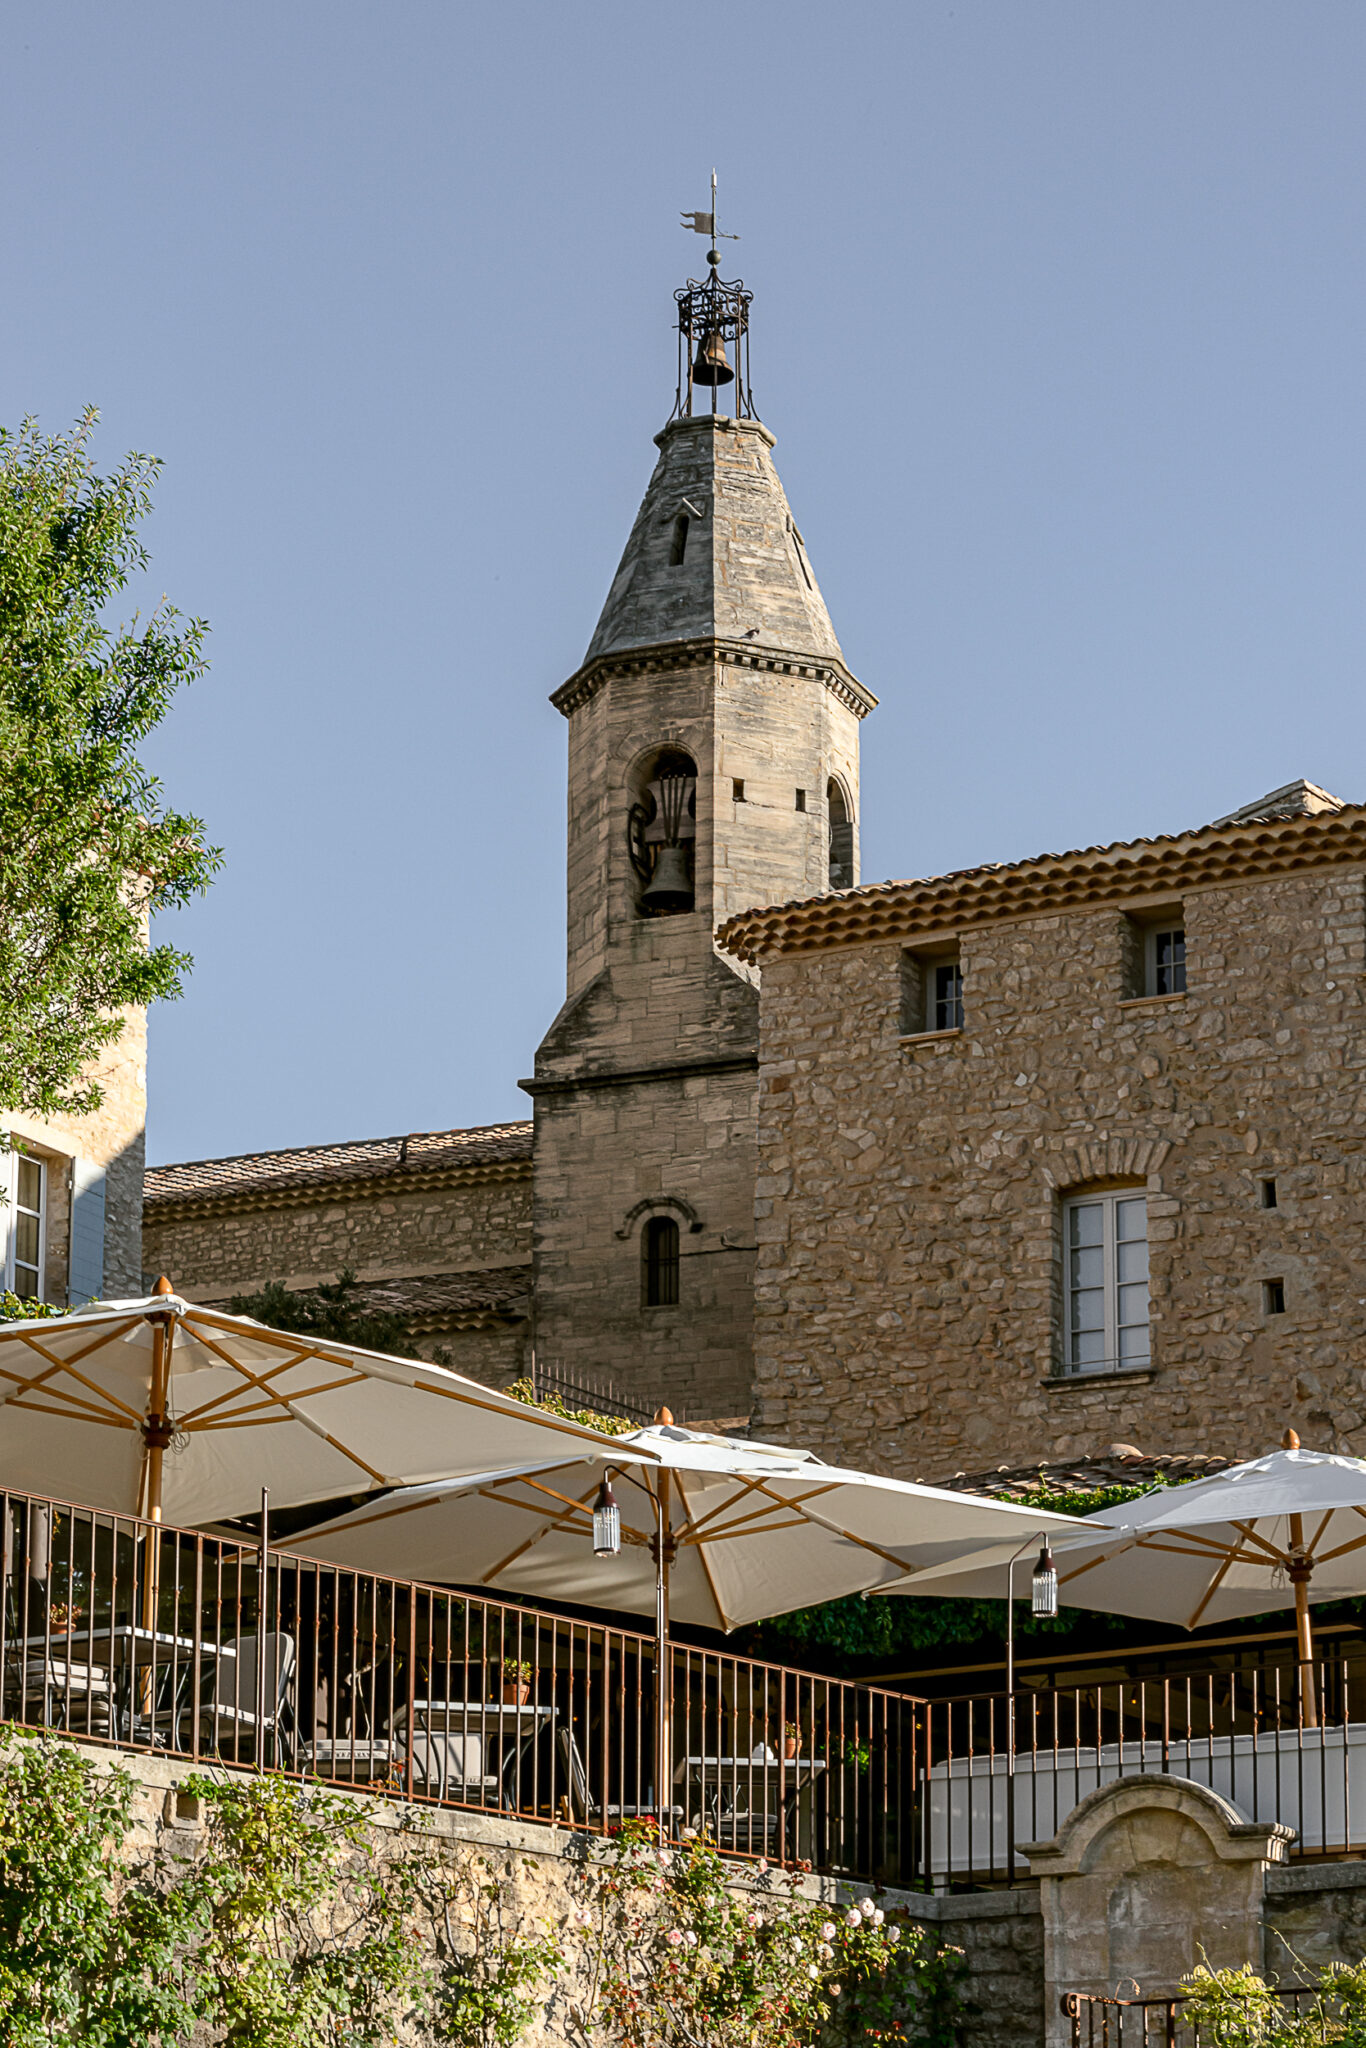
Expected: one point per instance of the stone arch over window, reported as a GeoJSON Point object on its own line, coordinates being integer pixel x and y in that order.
{"type": "Point", "coordinates": [661, 831]}
{"type": "Point", "coordinates": [840, 816]}
{"type": "Point", "coordinates": [659, 1204]}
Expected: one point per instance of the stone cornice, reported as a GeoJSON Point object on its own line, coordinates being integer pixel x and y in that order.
{"type": "Point", "coordinates": [671, 655]}
{"type": "Point", "coordinates": [1216, 856]}
{"type": "Point", "coordinates": [625, 1077]}
{"type": "Point", "coordinates": [308, 1194]}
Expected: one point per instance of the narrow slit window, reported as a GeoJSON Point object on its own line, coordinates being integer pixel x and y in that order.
{"type": "Point", "coordinates": [801, 799]}
{"type": "Point", "coordinates": [1269, 1195]}
{"type": "Point", "coordinates": [678, 546]}
{"type": "Point", "coordinates": [1273, 1297]}
{"type": "Point", "coordinates": [737, 789]}
{"type": "Point", "coordinates": [659, 1260]}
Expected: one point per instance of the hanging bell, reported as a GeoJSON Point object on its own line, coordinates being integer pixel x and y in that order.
{"type": "Point", "coordinates": [711, 366]}
{"type": "Point", "coordinates": [669, 888]}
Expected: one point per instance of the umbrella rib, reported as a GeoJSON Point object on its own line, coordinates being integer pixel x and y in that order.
{"type": "Point", "coordinates": [1215, 1583]}
{"type": "Point", "coordinates": [1341, 1550]}
{"type": "Point", "coordinates": [1313, 1542]}
{"type": "Point", "coordinates": [723, 1612]}
{"type": "Point", "coordinates": [547, 1528]}
{"type": "Point", "coordinates": [101, 1394]}
{"type": "Point", "coordinates": [78, 1414]}
{"type": "Point", "coordinates": [106, 1336]}
{"type": "Point", "coordinates": [255, 1379]}
{"type": "Point", "coordinates": [194, 1418]}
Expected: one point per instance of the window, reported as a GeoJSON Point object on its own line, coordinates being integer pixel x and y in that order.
{"type": "Point", "coordinates": [931, 992]}
{"type": "Point", "coordinates": [24, 1263]}
{"type": "Point", "coordinates": [945, 983]}
{"type": "Point", "coordinates": [737, 789]}
{"type": "Point", "coordinates": [801, 799]}
{"type": "Point", "coordinates": [1166, 962]}
{"type": "Point", "coordinates": [1105, 1249]}
{"type": "Point", "coordinates": [659, 1262]}
{"type": "Point", "coordinates": [1273, 1297]}
{"type": "Point", "coordinates": [1268, 1188]}
{"type": "Point", "coordinates": [841, 837]}
{"type": "Point", "coordinates": [678, 546]}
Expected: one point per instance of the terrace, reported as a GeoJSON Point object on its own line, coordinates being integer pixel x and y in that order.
{"type": "Point", "coordinates": [146, 1637]}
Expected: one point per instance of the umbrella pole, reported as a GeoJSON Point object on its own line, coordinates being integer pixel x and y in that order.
{"type": "Point", "coordinates": [154, 1440]}
{"type": "Point", "coordinates": [663, 1660]}
{"type": "Point", "coordinates": [1300, 1572]}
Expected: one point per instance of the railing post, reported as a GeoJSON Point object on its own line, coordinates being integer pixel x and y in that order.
{"type": "Point", "coordinates": [412, 1688]}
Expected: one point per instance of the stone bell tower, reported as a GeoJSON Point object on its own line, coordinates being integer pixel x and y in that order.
{"type": "Point", "coordinates": [713, 766]}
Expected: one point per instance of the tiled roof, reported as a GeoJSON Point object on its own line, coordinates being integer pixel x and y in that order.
{"type": "Point", "coordinates": [452, 1301]}
{"type": "Point", "coordinates": [1215, 855]}
{"type": "Point", "coordinates": [274, 1178]}
{"type": "Point", "coordinates": [1121, 1465]}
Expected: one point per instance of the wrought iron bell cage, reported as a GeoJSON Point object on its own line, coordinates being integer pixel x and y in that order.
{"type": "Point", "coordinates": [712, 311]}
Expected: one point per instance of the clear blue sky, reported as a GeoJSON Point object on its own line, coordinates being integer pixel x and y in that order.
{"type": "Point", "coordinates": [1058, 319]}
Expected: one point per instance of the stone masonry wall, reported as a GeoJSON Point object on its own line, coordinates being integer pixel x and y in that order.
{"type": "Point", "coordinates": [908, 1291]}
{"type": "Point", "coordinates": [426, 1231]}
{"type": "Point", "coordinates": [537, 1863]}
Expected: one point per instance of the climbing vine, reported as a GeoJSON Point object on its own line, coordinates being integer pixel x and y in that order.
{"type": "Point", "coordinates": [676, 1958]}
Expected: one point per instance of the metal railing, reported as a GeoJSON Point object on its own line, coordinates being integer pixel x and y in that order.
{"type": "Point", "coordinates": [197, 1646]}
{"type": "Point", "coordinates": [1240, 1732]}
{"type": "Point", "coordinates": [1162, 2022]}
{"type": "Point", "coordinates": [201, 1646]}
{"type": "Point", "coordinates": [600, 1396]}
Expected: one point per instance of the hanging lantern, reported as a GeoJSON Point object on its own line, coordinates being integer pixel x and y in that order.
{"type": "Point", "coordinates": [1044, 1584]}
{"type": "Point", "coordinates": [606, 1523]}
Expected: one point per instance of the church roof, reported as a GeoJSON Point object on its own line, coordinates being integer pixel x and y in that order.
{"type": "Point", "coordinates": [1268, 842]}
{"type": "Point", "coordinates": [715, 552]}
{"type": "Point", "coordinates": [279, 1179]}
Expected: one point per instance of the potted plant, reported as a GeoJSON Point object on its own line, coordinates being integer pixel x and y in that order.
{"type": "Point", "coordinates": [517, 1677]}
{"type": "Point", "coordinates": [792, 1736]}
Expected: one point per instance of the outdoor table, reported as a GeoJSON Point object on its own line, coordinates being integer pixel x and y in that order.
{"type": "Point", "coordinates": [772, 1784]}
{"type": "Point", "coordinates": [121, 1655]}
{"type": "Point", "coordinates": [513, 1724]}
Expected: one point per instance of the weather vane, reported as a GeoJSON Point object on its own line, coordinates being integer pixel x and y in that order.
{"type": "Point", "coordinates": [705, 224]}
{"type": "Point", "coordinates": [711, 314]}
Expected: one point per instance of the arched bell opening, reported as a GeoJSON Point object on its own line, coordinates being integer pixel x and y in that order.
{"type": "Point", "coordinates": [841, 826]}
{"type": "Point", "coordinates": [661, 833]}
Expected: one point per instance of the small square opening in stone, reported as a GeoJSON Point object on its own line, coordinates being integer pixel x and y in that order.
{"type": "Point", "coordinates": [1273, 1297]}
{"type": "Point", "coordinates": [737, 789]}
{"type": "Point", "coordinates": [1268, 1188]}
{"type": "Point", "coordinates": [801, 799]}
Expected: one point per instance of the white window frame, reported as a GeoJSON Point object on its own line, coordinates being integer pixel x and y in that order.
{"type": "Point", "coordinates": [1121, 1350]}
{"type": "Point", "coordinates": [10, 1177]}
{"type": "Point", "coordinates": [1150, 939]}
{"type": "Point", "coordinates": [931, 970]}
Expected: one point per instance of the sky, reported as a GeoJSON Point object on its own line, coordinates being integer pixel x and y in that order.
{"type": "Point", "coordinates": [1058, 320]}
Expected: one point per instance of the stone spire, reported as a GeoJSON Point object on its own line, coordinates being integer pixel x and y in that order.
{"type": "Point", "coordinates": [715, 553]}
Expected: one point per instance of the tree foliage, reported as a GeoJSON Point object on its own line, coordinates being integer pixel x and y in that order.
{"type": "Point", "coordinates": [336, 1310]}
{"type": "Point", "coordinates": [88, 849]}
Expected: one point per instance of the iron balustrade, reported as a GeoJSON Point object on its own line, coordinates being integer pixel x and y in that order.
{"type": "Point", "coordinates": [211, 1648]}
{"type": "Point", "coordinates": [215, 1648]}
{"type": "Point", "coordinates": [1162, 2023]}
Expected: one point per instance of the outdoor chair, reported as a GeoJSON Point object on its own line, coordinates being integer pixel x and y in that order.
{"type": "Point", "coordinates": [451, 1766]}
{"type": "Point", "coordinates": [227, 1714]}
{"type": "Point", "coordinates": [56, 1692]}
{"type": "Point", "coordinates": [579, 1799]}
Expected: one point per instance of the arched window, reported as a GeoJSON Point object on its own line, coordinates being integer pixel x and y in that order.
{"type": "Point", "coordinates": [841, 837]}
{"type": "Point", "coordinates": [659, 1263]}
{"type": "Point", "coordinates": [661, 832]}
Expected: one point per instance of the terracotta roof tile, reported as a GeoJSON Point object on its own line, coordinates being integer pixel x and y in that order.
{"type": "Point", "coordinates": [251, 1174]}
{"type": "Point", "coordinates": [1121, 1465]}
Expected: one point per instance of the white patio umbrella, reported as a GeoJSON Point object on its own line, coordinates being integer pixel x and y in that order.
{"type": "Point", "coordinates": [750, 1529]}
{"type": "Point", "coordinates": [709, 1529]}
{"type": "Point", "coordinates": [1287, 1529]}
{"type": "Point", "coordinates": [160, 1408]}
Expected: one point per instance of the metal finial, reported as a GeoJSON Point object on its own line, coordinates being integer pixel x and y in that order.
{"type": "Point", "coordinates": [712, 313]}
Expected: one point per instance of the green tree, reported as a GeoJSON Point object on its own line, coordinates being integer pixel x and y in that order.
{"type": "Point", "coordinates": [336, 1310]}
{"type": "Point", "coordinates": [88, 850]}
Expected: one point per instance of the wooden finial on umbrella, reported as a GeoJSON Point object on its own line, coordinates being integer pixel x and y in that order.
{"type": "Point", "coordinates": [664, 1415]}
{"type": "Point", "coordinates": [163, 1286]}
{"type": "Point", "coordinates": [1290, 1441]}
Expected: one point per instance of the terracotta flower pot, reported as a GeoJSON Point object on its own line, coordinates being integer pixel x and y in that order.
{"type": "Point", "coordinates": [516, 1692]}
{"type": "Point", "coordinates": [789, 1747]}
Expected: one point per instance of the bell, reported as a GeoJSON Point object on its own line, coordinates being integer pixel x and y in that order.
{"type": "Point", "coordinates": [711, 366]}
{"type": "Point", "coordinates": [669, 888]}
